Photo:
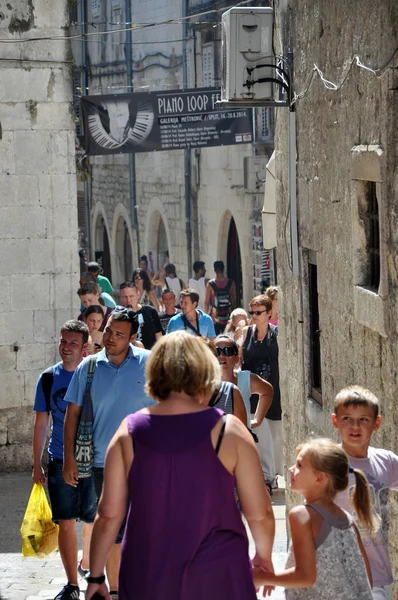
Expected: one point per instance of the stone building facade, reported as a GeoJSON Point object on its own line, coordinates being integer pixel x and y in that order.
{"type": "Point", "coordinates": [38, 224]}
{"type": "Point", "coordinates": [338, 317]}
{"type": "Point", "coordinates": [214, 217]}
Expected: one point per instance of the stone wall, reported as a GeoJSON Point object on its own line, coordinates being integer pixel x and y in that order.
{"type": "Point", "coordinates": [358, 326]}
{"type": "Point", "coordinates": [38, 218]}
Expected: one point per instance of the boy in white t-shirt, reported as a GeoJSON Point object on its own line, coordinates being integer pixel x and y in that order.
{"type": "Point", "coordinates": [356, 416]}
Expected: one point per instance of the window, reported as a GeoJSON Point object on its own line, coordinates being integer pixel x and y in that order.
{"type": "Point", "coordinates": [369, 214]}
{"type": "Point", "coordinates": [208, 65]}
{"type": "Point", "coordinates": [369, 237]}
{"type": "Point", "coordinates": [95, 8]}
{"type": "Point", "coordinates": [315, 334]}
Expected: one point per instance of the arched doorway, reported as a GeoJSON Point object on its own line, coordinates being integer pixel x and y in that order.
{"type": "Point", "coordinates": [102, 252]}
{"type": "Point", "coordinates": [234, 263]}
{"type": "Point", "coordinates": [163, 251]}
{"type": "Point", "coordinates": [124, 258]}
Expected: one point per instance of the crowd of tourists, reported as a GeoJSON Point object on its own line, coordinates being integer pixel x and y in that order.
{"type": "Point", "coordinates": [166, 428]}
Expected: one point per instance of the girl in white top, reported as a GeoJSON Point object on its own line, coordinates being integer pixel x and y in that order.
{"type": "Point", "coordinates": [326, 560]}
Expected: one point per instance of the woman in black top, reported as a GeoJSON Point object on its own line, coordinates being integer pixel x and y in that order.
{"type": "Point", "coordinates": [260, 356]}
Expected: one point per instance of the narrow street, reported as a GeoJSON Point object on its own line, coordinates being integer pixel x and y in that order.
{"type": "Point", "coordinates": [32, 579]}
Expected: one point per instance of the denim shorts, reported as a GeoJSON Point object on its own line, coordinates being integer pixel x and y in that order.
{"type": "Point", "coordinates": [98, 476]}
{"type": "Point", "coordinates": [68, 502]}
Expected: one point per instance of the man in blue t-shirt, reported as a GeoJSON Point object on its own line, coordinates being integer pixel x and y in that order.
{"type": "Point", "coordinates": [118, 389]}
{"type": "Point", "coordinates": [192, 319]}
{"type": "Point", "coordinates": [68, 503]}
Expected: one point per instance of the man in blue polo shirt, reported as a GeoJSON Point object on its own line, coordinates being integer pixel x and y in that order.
{"type": "Point", "coordinates": [117, 390]}
{"type": "Point", "coordinates": [192, 319]}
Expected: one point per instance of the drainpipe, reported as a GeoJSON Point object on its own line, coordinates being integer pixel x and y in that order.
{"type": "Point", "coordinates": [187, 153]}
{"type": "Point", "coordinates": [84, 91]}
{"type": "Point", "coordinates": [129, 72]}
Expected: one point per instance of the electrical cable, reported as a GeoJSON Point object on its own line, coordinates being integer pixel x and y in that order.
{"type": "Point", "coordinates": [134, 27]}
{"type": "Point", "coordinates": [329, 85]}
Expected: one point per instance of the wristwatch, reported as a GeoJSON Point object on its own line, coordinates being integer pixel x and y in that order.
{"type": "Point", "coordinates": [98, 580]}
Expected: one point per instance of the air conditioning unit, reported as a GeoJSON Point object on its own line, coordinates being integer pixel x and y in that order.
{"type": "Point", "coordinates": [254, 170]}
{"type": "Point", "coordinates": [246, 39]}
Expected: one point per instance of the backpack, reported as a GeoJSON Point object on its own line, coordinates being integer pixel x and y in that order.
{"type": "Point", "coordinates": [222, 302]}
{"type": "Point", "coordinates": [47, 379]}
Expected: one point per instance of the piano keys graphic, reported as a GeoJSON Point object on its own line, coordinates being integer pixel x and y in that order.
{"type": "Point", "coordinates": [132, 135]}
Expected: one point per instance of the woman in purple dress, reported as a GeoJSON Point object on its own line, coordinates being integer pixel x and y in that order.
{"type": "Point", "coordinates": [176, 465]}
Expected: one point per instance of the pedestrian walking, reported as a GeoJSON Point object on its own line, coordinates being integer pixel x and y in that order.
{"type": "Point", "coordinates": [220, 297]}
{"type": "Point", "coordinates": [67, 503]}
{"type": "Point", "coordinates": [192, 319]}
{"type": "Point", "coordinates": [178, 463]}
{"type": "Point", "coordinates": [170, 281]}
{"type": "Point", "coordinates": [170, 310]}
{"type": "Point", "coordinates": [89, 295]}
{"type": "Point", "coordinates": [260, 356]}
{"type": "Point", "coordinates": [117, 389]}
{"type": "Point", "coordinates": [272, 292]}
{"type": "Point", "coordinates": [103, 282]}
{"type": "Point", "coordinates": [147, 292]}
{"type": "Point", "coordinates": [238, 319]}
{"type": "Point", "coordinates": [93, 317]}
{"type": "Point", "coordinates": [247, 382]}
{"type": "Point", "coordinates": [144, 265]}
{"type": "Point", "coordinates": [199, 282]}
{"type": "Point", "coordinates": [356, 416]}
{"type": "Point", "coordinates": [149, 326]}
{"type": "Point", "coordinates": [326, 560]}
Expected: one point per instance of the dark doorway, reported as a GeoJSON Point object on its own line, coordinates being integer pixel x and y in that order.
{"type": "Point", "coordinates": [103, 257]}
{"type": "Point", "coordinates": [234, 263]}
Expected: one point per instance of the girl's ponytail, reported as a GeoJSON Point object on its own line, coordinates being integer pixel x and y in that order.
{"type": "Point", "coordinates": [362, 501]}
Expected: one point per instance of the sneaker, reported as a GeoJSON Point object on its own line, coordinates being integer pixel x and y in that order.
{"type": "Point", "coordinates": [69, 592]}
{"type": "Point", "coordinates": [82, 572]}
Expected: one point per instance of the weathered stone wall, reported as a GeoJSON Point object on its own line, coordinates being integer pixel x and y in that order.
{"type": "Point", "coordinates": [38, 218]}
{"type": "Point", "coordinates": [329, 125]}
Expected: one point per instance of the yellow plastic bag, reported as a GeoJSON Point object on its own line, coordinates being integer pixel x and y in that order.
{"type": "Point", "coordinates": [39, 533]}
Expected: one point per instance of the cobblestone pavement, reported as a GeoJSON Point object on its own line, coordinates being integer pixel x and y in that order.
{"type": "Point", "coordinates": [32, 579]}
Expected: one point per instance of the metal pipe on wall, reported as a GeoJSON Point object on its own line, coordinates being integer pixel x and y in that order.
{"type": "Point", "coordinates": [187, 153]}
{"type": "Point", "coordinates": [129, 71]}
{"type": "Point", "coordinates": [84, 91]}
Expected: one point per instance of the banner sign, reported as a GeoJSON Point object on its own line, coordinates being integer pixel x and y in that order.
{"type": "Point", "coordinates": [171, 120]}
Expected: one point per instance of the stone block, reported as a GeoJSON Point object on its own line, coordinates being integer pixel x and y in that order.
{"type": "Point", "coordinates": [42, 256]}
{"type": "Point", "coordinates": [52, 354]}
{"type": "Point", "coordinates": [33, 152]}
{"type": "Point", "coordinates": [5, 294]}
{"type": "Point", "coordinates": [3, 437]}
{"type": "Point", "coordinates": [16, 327]}
{"type": "Point", "coordinates": [63, 189]}
{"type": "Point", "coordinates": [44, 328]}
{"type": "Point", "coordinates": [8, 359]}
{"type": "Point", "coordinates": [12, 389]}
{"type": "Point", "coordinates": [66, 258]}
{"type": "Point", "coordinates": [14, 256]}
{"type": "Point", "coordinates": [64, 221]}
{"type": "Point", "coordinates": [63, 291]}
{"type": "Point", "coordinates": [18, 224]}
{"type": "Point", "coordinates": [30, 292]}
{"type": "Point", "coordinates": [16, 457]}
{"type": "Point", "coordinates": [15, 116]}
{"type": "Point", "coordinates": [32, 85]}
{"type": "Point", "coordinates": [31, 357]}
{"type": "Point", "coordinates": [20, 427]}
{"type": "Point", "coordinates": [7, 152]}
{"type": "Point", "coordinates": [61, 153]}
{"type": "Point", "coordinates": [53, 116]}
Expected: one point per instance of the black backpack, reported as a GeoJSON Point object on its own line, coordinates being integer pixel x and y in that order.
{"type": "Point", "coordinates": [47, 379]}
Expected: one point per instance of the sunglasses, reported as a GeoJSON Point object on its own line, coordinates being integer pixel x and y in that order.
{"type": "Point", "coordinates": [137, 277]}
{"type": "Point", "coordinates": [127, 284]}
{"type": "Point", "coordinates": [130, 313]}
{"type": "Point", "coordinates": [227, 351]}
{"type": "Point", "coordinates": [256, 312]}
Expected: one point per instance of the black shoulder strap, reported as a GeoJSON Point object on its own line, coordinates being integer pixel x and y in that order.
{"type": "Point", "coordinates": [221, 434]}
{"type": "Point", "coordinates": [213, 399]}
{"type": "Point", "coordinates": [47, 379]}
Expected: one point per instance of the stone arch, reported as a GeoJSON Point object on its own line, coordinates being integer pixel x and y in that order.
{"type": "Point", "coordinates": [122, 254]}
{"type": "Point", "coordinates": [157, 234]}
{"type": "Point", "coordinates": [102, 240]}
